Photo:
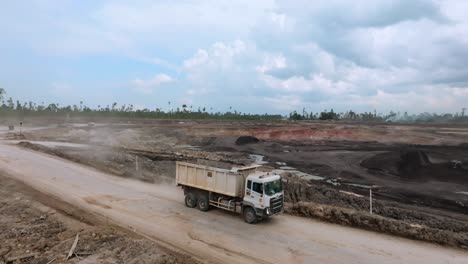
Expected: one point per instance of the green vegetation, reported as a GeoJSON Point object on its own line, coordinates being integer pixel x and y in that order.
{"type": "Point", "coordinates": [31, 109]}
{"type": "Point", "coordinates": [378, 117]}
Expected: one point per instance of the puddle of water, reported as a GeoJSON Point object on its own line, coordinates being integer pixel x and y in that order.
{"type": "Point", "coordinates": [52, 144]}
{"type": "Point", "coordinates": [311, 177]}
{"type": "Point", "coordinates": [453, 128]}
{"type": "Point", "coordinates": [194, 148]}
{"type": "Point", "coordinates": [465, 193]}
{"type": "Point", "coordinates": [258, 159]}
{"type": "Point", "coordinates": [351, 193]}
{"type": "Point", "coordinates": [78, 124]}
{"type": "Point", "coordinates": [333, 182]}
{"type": "Point", "coordinates": [359, 185]}
{"type": "Point", "coordinates": [453, 132]}
{"type": "Point", "coordinates": [281, 163]}
{"type": "Point", "coordinates": [189, 147]}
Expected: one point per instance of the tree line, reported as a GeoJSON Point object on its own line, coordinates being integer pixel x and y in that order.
{"type": "Point", "coordinates": [184, 111]}
{"type": "Point", "coordinates": [379, 117]}
{"type": "Point", "coordinates": [11, 107]}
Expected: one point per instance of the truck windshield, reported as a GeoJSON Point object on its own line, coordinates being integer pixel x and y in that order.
{"type": "Point", "coordinates": [273, 187]}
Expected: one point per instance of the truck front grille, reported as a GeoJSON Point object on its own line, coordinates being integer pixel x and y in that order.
{"type": "Point", "coordinates": [276, 204]}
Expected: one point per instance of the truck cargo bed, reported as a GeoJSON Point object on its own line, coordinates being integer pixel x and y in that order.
{"type": "Point", "coordinates": [222, 181]}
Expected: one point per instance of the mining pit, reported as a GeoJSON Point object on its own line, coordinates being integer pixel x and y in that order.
{"type": "Point", "coordinates": [328, 168]}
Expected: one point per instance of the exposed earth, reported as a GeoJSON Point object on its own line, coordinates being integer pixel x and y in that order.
{"type": "Point", "coordinates": [157, 212]}
{"type": "Point", "coordinates": [328, 167]}
{"type": "Point", "coordinates": [41, 229]}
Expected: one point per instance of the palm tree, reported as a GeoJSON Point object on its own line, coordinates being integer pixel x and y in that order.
{"type": "Point", "coordinates": [2, 93]}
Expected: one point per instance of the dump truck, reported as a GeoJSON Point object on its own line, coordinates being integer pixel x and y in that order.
{"type": "Point", "coordinates": [255, 194]}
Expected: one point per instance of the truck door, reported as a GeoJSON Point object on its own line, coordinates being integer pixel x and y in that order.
{"type": "Point", "coordinates": [254, 193]}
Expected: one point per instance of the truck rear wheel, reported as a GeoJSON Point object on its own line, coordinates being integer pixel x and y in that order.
{"type": "Point", "coordinates": [203, 203]}
{"type": "Point", "coordinates": [250, 216]}
{"type": "Point", "coordinates": [190, 200]}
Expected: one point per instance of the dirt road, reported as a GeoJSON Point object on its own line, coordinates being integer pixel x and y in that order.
{"type": "Point", "coordinates": [158, 212]}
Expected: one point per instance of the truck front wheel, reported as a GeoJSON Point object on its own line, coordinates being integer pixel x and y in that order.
{"type": "Point", "coordinates": [190, 200]}
{"type": "Point", "coordinates": [250, 216]}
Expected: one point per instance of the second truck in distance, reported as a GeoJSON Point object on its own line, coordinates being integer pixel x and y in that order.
{"type": "Point", "coordinates": [255, 194]}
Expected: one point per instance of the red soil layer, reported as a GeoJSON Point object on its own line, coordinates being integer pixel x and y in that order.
{"type": "Point", "coordinates": [301, 133]}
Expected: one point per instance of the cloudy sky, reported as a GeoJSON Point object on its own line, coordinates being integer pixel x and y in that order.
{"type": "Point", "coordinates": [254, 56]}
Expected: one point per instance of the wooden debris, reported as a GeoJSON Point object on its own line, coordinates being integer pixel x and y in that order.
{"type": "Point", "coordinates": [21, 257]}
{"type": "Point", "coordinates": [52, 260]}
{"type": "Point", "coordinates": [72, 249]}
{"type": "Point", "coordinates": [83, 253]}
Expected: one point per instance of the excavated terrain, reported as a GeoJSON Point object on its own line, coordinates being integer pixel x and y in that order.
{"type": "Point", "coordinates": [328, 168]}
{"type": "Point", "coordinates": [34, 228]}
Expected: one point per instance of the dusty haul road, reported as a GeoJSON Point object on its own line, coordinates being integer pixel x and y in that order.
{"type": "Point", "coordinates": [158, 212]}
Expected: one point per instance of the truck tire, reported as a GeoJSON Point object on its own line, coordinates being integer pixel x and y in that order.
{"type": "Point", "coordinates": [203, 203]}
{"type": "Point", "coordinates": [190, 200]}
{"type": "Point", "coordinates": [250, 216]}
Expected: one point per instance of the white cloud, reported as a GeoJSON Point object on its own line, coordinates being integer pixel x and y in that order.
{"type": "Point", "coordinates": [222, 67]}
{"type": "Point", "coordinates": [271, 62]}
{"type": "Point", "coordinates": [157, 61]}
{"type": "Point", "coordinates": [285, 102]}
{"type": "Point", "coordinates": [425, 99]}
{"type": "Point", "coordinates": [197, 91]}
{"type": "Point", "coordinates": [147, 86]}
{"type": "Point", "coordinates": [127, 27]}
{"type": "Point", "coordinates": [279, 19]}
{"type": "Point", "coordinates": [61, 89]}
{"type": "Point", "coordinates": [336, 53]}
{"type": "Point", "coordinates": [314, 83]}
{"type": "Point", "coordinates": [219, 55]}
{"type": "Point", "coordinates": [200, 57]}
{"type": "Point", "coordinates": [459, 91]}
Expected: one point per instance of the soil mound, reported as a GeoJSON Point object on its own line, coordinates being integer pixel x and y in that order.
{"type": "Point", "coordinates": [243, 140]}
{"type": "Point", "coordinates": [412, 160]}
{"type": "Point", "coordinates": [406, 163]}
{"type": "Point", "coordinates": [414, 165]}
{"type": "Point", "coordinates": [27, 144]}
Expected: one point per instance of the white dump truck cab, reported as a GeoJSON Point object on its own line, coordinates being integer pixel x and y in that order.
{"type": "Point", "coordinates": [263, 196]}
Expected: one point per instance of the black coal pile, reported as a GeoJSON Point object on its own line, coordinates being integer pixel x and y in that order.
{"type": "Point", "coordinates": [244, 140]}
{"type": "Point", "coordinates": [412, 161]}
{"type": "Point", "coordinates": [406, 163]}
